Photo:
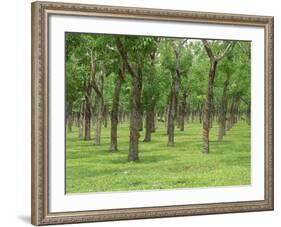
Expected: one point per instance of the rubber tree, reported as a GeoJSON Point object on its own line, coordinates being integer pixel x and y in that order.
{"type": "Point", "coordinates": [175, 58]}
{"type": "Point", "coordinates": [226, 72]}
{"type": "Point", "coordinates": [134, 52]}
{"type": "Point", "coordinates": [120, 77]}
{"type": "Point", "coordinates": [151, 91]}
{"type": "Point", "coordinates": [78, 80]}
{"type": "Point", "coordinates": [214, 60]}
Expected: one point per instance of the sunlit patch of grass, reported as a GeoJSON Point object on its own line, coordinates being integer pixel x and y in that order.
{"type": "Point", "coordinates": [91, 168]}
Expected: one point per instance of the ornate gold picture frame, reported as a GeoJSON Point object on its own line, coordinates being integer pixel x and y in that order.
{"type": "Point", "coordinates": [41, 67]}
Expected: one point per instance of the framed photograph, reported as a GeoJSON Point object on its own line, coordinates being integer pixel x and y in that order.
{"type": "Point", "coordinates": [149, 113]}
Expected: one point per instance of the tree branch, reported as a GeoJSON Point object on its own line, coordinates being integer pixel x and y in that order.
{"type": "Point", "coordinates": [124, 56]}
{"type": "Point", "coordinates": [93, 73]}
{"type": "Point", "coordinates": [227, 50]}
{"type": "Point", "coordinates": [121, 71]}
{"type": "Point", "coordinates": [208, 49]}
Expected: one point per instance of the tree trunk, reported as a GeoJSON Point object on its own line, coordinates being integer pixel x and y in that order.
{"type": "Point", "coordinates": [223, 109]}
{"type": "Point", "coordinates": [136, 74]}
{"type": "Point", "coordinates": [231, 118]}
{"type": "Point", "coordinates": [149, 124]}
{"type": "Point", "coordinates": [140, 121]}
{"type": "Point", "coordinates": [81, 120]}
{"type": "Point", "coordinates": [208, 106]}
{"type": "Point", "coordinates": [69, 117]}
{"type": "Point", "coordinates": [87, 135]}
{"type": "Point", "coordinates": [114, 112]}
{"type": "Point", "coordinates": [105, 113]}
{"type": "Point", "coordinates": [172, 111]}
{"type": "Point", "coordinates": [249, 114]}
{"type": "Point", "coordinates": [200, 116]}
{"type": "Point", "coordinates": [209, 99]}
{"type": "Point", "coordinates": [187, 113]}
{"type": "Point", "coordinates": [98, 121]}
{"type": "Point", "coordinates": [155, 122]}
{"type": "Point", "coordinates": [135, 118]}
{"type": "Point", "coordinates": [183, 111]}
{"type": "Point", "coordinates": [69, 123]}
{"type": "Point", "coordinates": [178, 117]}
{"type": "Point", "coordinates": [166, 118]}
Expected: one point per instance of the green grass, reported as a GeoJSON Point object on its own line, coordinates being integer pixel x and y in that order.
{"type": "Point", "coordinates": [91, 168]}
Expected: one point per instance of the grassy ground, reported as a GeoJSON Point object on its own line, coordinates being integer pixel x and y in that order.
{"type": "Point", "coordinates": [91, 168]}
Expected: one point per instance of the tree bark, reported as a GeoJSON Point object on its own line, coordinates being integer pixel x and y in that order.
{"type": "Point", "coordinates": [155, 122]}
{"type": "Point", "coordinates": [208, 106]}
{"type": "Point", "coordinates": [172, 110]}
{"type": "Point", "coordinates": [69, 123]}
{"type": "Point", "coordinates": [87, 135]}
{"type": "Point", "coordinates": [105, 113]}
{"type": "Point", "coordinates": [249, 114]}
{"type": "Point", "coordinates": [69, 117]}
{"type": "Point", "coordinates": [223, 109]}
{"type": "Point", "coordinates": [149, 123]}
{"type": "Point", "coordinates": [140, 121]}
{"type": "Point", "coordinates": [97, 85]}
{"type": "Point", "coordinates": [98, 121]}
{"type": "Point", "coordinates": [136, 74]}
{"type": "Point", "coordinates": [135, 119]}
{"type": "Point", "coordinates": [209, 99]}
{"type": "Point", "coordinates": [81, 120]}
{"type": "Point", "coordinates": [115, 109]}
{"type": "Point", "coordinates": [232, 119]}
{"type": "Point", "coordinates": [183, 111]}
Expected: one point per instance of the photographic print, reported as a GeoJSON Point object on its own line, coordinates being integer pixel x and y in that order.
{"type": "Point", "coordinates": [150, 113]}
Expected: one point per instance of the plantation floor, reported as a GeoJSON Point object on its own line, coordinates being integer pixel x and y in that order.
{"type": "Point", "coordinates": [91, 168]}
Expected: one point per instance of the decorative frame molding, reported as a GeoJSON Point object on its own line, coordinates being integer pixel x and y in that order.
{"type": "Point", "coordinates": [40, 13]}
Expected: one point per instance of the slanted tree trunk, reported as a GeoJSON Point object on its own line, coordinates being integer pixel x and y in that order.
{"type": "Point", "coordinates": [115, 108]}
